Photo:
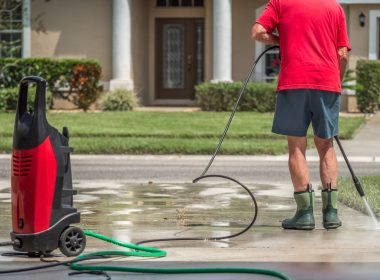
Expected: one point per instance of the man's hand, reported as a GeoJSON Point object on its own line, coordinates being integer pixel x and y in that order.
{"type": "Point", "coordinates": [259, 33]}
{"type": "Point", "coordinates": [343, 58]}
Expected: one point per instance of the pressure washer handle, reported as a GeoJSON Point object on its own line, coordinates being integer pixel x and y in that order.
{"type": "Point", "coordinates": [32, 79]}
{"type": "Point", "coordinates": [39, 101]}
{"type": "Point", "coordinates": [355, 179]}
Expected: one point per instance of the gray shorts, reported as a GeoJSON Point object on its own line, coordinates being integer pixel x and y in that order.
{"type": "Point", "coordinates": [295, 109]}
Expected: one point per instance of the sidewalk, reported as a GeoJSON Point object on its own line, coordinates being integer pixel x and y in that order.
{"type": "Point", "coordinates": [366, 142]}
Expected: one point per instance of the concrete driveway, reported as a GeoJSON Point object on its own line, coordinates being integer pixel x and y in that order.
{"type": "Point", "coordinates": [136, 198]}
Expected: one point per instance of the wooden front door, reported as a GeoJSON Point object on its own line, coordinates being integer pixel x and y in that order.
{"type": "Point", "coordinates": [179, 57]}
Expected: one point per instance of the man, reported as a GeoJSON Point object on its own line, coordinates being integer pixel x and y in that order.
{"type": "Point", "coordinates": [313, 45]}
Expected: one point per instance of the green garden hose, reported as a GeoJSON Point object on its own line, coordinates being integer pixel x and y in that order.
{"type": "Point", "coordinates": [142, 251]}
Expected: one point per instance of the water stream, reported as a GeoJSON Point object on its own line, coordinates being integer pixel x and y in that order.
{"type": "Point", "coordinates": [370, 212]}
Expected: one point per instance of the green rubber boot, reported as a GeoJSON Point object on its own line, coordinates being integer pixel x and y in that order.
{"type": "Point", "coordinates": [303, 218]}
{"type": "Point", "coordinates": [330, 211]}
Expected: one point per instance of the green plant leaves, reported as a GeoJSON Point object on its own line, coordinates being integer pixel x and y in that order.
{"type": "Point", "coordinates": [368, 77]}
{"type": "Point", "coordinates": [259, 97]}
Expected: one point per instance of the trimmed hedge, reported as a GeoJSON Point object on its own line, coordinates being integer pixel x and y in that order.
{"type": "Point", "coordinates": [259, 97]}
{"type": "Point", "coordinates": [79, 78]}
{"type": "Point", "coordinates": [368, 78]}
{"type": "Point", "coordinates": [9, 98]}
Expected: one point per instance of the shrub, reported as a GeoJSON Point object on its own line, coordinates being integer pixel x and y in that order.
{"type": "Point", "coordinates": [83, 86]}
{"type": "Point", "coordinates": [9, 98]}
{"type": "Point", "coordinates": [79, 78]}
{"type": "Point", "coordinates": [368, 77]}
{"type": "Point", "coordinates": [119, 100]}
{"type": "Point", "coordinates": [259, 97]}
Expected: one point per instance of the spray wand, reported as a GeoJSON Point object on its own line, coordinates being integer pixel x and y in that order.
{"type": "Point", "coordinates": [355, 179]}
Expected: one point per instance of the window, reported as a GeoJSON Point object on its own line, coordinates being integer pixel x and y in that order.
{"type": "Point", "coordinates": [179, 3]}
{"type": "Point", "coordinates": [272, 64]}
{"type": "Point", "coordinates": [11, 28]}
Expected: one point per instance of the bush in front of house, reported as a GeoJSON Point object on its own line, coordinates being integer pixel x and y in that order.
{"type": "Point", "coordinates": [76, 80]}
{"type": "Point", "coordinates": [83, 85]}
{"type": "Point", "coordinates": [9, 98]}
{"type": "Point", "coordinates": [259, 97]}
{"type": "Point", "coordinates": [119, 100]}
{"type": "Point", "coordinates": [368, 78]}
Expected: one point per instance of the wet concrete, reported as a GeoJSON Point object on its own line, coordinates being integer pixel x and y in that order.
{"type": "Point", "coordinates": [136, 212]}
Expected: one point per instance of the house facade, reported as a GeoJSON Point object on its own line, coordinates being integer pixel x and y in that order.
{"type": "Point", "coordinates": [163, 48]}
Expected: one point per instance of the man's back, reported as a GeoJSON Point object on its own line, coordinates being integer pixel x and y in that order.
{"type": "Point", "coordinates": [310, 33]}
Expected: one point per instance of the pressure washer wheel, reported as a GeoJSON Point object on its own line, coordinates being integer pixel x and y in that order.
{"type": "Point", "coordinates": [72, 241]}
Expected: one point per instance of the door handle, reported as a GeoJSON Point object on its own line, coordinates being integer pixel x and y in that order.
{"type": "Point", "coordinates": [189, 62]}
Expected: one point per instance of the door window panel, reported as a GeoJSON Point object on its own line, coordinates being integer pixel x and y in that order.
{"type": "Point", "coordinates": [173, 56]}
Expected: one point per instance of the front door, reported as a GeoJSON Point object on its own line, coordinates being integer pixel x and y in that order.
{"type": "Point", "coordinates": [179, 57]}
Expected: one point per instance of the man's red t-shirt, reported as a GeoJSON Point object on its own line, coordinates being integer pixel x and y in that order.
{"type": "Point", "coordinates": [310, 33]}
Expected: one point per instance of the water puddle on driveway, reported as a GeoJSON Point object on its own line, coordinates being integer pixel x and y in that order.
{"type": "Point", "coordinates": [135, 212]}
{"type": "Point", "coordinates": [147, 211]}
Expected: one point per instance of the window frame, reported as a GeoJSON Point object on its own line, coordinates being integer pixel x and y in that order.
{"type": "Point", "coordinates": [12, 29]}
{"type": "Point", "coordinates": [169, 5]}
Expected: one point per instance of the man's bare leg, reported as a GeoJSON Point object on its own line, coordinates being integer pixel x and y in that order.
{"type": "Point", "coordinates": [297, 163]}
{"type": "Point", "coordinates": [328, 164]}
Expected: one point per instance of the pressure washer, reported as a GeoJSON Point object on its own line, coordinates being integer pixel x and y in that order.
{"type": "Point", "coordinates": [42, 190]}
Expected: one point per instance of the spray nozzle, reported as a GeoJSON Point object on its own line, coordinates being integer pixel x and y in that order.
{"type": "Point", "coordinates": [358, 186]}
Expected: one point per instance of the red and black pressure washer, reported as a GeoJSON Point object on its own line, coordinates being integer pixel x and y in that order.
{"type": "Point", "coordinates": [42, 191]}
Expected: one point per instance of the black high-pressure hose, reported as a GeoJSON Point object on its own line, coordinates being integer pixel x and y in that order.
{"type": "Point", "coordinates": [204, 176]}
{"type": "Point", "coordinates": [355, 179]}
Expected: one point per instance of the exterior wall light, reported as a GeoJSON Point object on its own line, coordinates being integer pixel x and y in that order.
{"type": "Point", "coordinates": [362, 19]}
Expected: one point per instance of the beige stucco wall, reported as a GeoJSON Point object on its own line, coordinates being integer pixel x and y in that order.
{"type": "Point", "coordinates": [72, 28]}
{"type": "Point", "coordinates": [359, 36]}
{"type": "Point", "coordinates": [140, 46]}
{"type": "Point", "coordinates": [208, 39]}
{"type": "Point", "coordinates": [243, 48]}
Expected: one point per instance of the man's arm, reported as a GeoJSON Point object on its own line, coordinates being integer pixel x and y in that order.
{"type": "Point", "coordinates": [343, 58]}
{"type": "Point", "coordinates": [259, 33]}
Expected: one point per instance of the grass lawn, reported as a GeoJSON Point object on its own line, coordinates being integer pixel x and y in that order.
{"type": "Point", "coordinates": [349, 196]}
{"type": "Point", "coordinates": [168, 132]}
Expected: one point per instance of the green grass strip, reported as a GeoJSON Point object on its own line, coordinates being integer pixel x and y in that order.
{"type": "Point", "coordinates": [349, 196]}
{"type": "Point", "coordinates": [143, 251]}
{"type": "Point", "coordinates": [168, 132]}
{"type": "Point", "coordinates": [168, 124]}
{"type": "Point", "coordinates": [140, 145]}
